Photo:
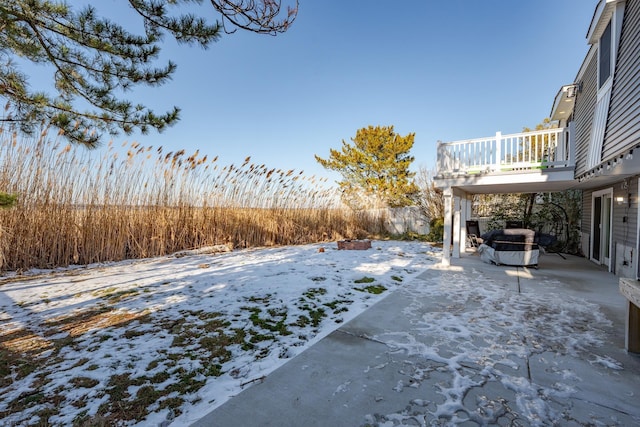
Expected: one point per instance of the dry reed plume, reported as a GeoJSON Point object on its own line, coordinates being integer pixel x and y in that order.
{"type": "Point", "coordinates": [79, 207]}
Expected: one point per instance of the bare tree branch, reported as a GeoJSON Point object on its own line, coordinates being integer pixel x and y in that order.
{"type": "Point", "coordinates": [263, 16]}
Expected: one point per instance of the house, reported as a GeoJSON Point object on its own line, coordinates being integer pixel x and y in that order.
{"type": "Point", "coordinates": [594, 148]}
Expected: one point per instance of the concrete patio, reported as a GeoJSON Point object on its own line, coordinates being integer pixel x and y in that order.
{"type": "Point", "coordinates": [471, 344]}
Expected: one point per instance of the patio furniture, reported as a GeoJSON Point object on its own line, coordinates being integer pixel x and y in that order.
{"type": "Point", "coordinates": [512, 246]}
{"type": "Point", "coordinates": [473, 233]}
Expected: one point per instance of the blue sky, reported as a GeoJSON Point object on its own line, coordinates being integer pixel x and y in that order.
{"type": "Point", "coordinates": [445, 70]}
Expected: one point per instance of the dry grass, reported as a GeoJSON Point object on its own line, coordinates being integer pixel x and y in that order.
{"type": "Point", "coordinates": [79, 207]}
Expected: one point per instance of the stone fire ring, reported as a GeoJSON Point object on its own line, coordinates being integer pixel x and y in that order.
{"type": "Point", "coordinates": [354, 244]}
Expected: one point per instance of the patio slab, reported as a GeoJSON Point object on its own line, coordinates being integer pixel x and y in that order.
{"type": "Point", "coordinates": [472, 344]}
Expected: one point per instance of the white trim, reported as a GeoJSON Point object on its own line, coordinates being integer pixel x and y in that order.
{"type": "Point", "coordinates": [603, 13]}
{"type": "Point", "coordinates": [598, 128]}
{"type": "Point", "coordinates": [587, 60]}
{"type": "Point", "coordinates": [615, 16]}
{"type": "Point", "coordinates": [456, 226]}
{"type": "Point", "coordinates": [608, 82]}
{"type": "Point", "coordinates": [616, 32]}
{"type": "Point", "coordinates": [608, 12]}
{"type": "Point", "coordinates": [592, 34]}
{"type": "Point", "coordinates": [447, 196]}
{"type": "Point", "coordinates": [605, 89]}
{"type": "Point", "coordinates": [601, 261]}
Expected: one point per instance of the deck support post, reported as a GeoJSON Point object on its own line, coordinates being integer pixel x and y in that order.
{"type": "Point", "coordinates": [456, 226]}
{"type": "Point", "coordinates": [446, 235]}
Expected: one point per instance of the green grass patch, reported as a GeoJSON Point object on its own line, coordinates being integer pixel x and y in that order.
{"type": "Point", "coordinates": [314, 293]}
{"type": "Point", "coordinates": [84, 382]}
{"type": "Point", "coordinates": [173, 403]}
{"type": "Point", "coordinates": [365, 279]}
{"type": "Point", "coordinates": [113, 295]}
{"type": "Point", "coordinates": [338, 306]}
{"type": "Point", "coordinates": [316, 316]}
{"type": "Point", "coordinates": [217, 347]}
{"type": "Point", "coordinates": [263, 300]}
{"type": "Point", "coordinates": [302, 321]}
{"type": "Point", "coordinates": [372, 289]}
{"type": "Point", "coordinates": [132, 333]}
{"type": "Point", "coordinates": [275, 322]}
{"type": "Point", "coordinates": [160, 377]}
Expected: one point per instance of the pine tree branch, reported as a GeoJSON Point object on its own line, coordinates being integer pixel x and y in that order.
{"type": "Point", "coordinates": [258, 16]}
{"type": "Point", "coordinates": [94, 58]}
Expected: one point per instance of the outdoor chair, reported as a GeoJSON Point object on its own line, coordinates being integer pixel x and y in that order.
{"type": "Point", "coordinates": [473, 234]}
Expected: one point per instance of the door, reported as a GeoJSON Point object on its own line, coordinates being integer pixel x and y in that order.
{"type": "Point", "coordinates": [602, 202]}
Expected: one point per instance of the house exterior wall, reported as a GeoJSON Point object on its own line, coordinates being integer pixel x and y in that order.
{"type": "Point", "coordinates": [623, 126]}
{"type": "Point", "coordinates": [584, 111]}
{"type": "Point", "coordinates": [624, 231]}
{"type": "Point", "coordinates": [625, 216]}
{"type": "Point", "coordinates": [622, 134]}
{"type": "Point", "coordinates": [624, 226]}
{"type": "Point", "coordinates": [605, 123]}
{"type": "Point", "coordinates": [585, 225]}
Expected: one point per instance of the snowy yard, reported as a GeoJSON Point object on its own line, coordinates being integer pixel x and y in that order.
{"type": "Point", "coordinates": [167, 340]}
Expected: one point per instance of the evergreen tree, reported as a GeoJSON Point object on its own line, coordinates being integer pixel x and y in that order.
{"type": "Point", "coordinates": [94, 59]}
{"type": "Point", "coordinates": [375, 168]}
{"type": "Point", "coordinates": [7, 200]}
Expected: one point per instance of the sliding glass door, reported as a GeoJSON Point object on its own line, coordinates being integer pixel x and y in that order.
{"type": "Point", "coordinates": [602, 202]}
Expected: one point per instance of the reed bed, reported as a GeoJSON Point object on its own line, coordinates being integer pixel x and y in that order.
{"type": "Point", "coordinates": [78, 206]}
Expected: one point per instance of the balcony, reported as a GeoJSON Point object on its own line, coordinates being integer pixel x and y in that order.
{"type": "Point", "coordinates": [522, 162]}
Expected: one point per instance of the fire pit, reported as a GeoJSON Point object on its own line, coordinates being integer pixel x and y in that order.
{"type": "Point", "coordinates": [354, 244]}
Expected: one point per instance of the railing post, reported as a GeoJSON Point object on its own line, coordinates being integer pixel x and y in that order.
{"type": "Point", "coordinates": [498, 151]}
{"type": "Point", "coordinates": [556, 154]}
{"type": "Point", "coordinates": [571, 143]}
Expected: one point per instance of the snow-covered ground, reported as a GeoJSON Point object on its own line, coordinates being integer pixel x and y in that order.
{"type": "Point", "coordinates": [166, 340]}
{"type": "Point", "coordinates": [473, 344]}
{"type": "Point", "coordinates": [536, 348]}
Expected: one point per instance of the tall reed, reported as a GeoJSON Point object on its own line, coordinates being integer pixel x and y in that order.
{"type": "Point", "coordinates": [77, 206]}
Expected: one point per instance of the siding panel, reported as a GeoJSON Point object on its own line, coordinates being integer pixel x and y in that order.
{"type": "Point", "coordinates": [594, 157]}
{"type": "Point", "coordinates": [583, 113]}
{"type": "Point", "coordinates": [623, 128]}
{"type": "Point", "coordinates": [585, 225]}
{"type": "Point", "coordinates": [624, 232]}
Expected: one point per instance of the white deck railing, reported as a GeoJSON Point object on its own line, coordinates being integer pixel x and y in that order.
{"type": "Point", "coordinates": [542, 149]}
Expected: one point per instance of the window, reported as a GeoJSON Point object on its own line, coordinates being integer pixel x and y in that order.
{"type": "Point", "coordinates": [604, 56]}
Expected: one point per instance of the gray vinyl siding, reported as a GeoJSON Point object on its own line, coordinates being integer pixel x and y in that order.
{"type": "Point", "coordinates": [624, 232]}
{"type": "Point", "coordinates": [623, 126]}
{"type": "Point", "coordinates": [585, 225]}
{"type": "Point", "coordinates": [624, 217]}
{"type": "Point", "coordinates": [583, 113]}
